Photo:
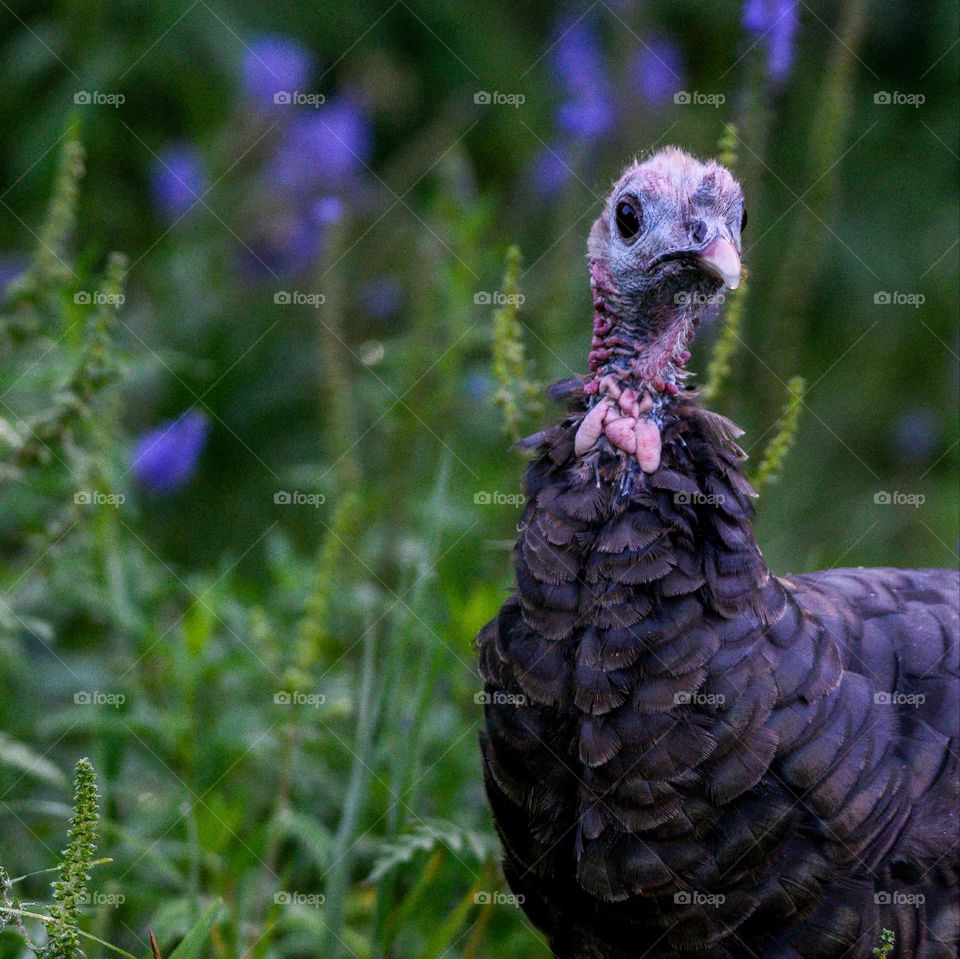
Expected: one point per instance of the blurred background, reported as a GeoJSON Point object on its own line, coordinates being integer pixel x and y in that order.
{"type": "Point", "coordinates": [258, 490]}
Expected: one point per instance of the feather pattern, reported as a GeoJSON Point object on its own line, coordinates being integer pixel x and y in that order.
{"type": "Point", "coordinates": [702, 756]}
{"type": "Point", "coordinates": [685, 755]}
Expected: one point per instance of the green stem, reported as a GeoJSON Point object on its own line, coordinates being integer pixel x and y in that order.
{"type": "Point", "coordinates": [25, 914]}
{"type": "Point", "coordinates": [338, 876]}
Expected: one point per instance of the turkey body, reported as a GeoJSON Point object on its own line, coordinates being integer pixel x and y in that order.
{"type": "Point", "coordinates": [687, 756]}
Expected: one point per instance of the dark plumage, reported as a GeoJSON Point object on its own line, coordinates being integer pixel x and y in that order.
{"type": "Point", "coordinates": [696, 757]}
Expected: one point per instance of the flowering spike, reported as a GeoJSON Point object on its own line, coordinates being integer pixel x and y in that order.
{"type": "Point", "coordinates": [727, 146]}
{"type": "Point", "coordinates": [48, 264]}
{"type": "Point", "coordinates": [314, 629]}
{"type": "Point", "coordinates": [771, 466]}
{"type": "Point", "coordinates": [887, 942]}
{"type": "Point", "coordinates": [70, 890]}
{"type": "Point", "coordinates": [728, 343]}
{"type": "Point", "coordinates": [11, 918]}
{"type": "Point", "coordinates": [509, 355]}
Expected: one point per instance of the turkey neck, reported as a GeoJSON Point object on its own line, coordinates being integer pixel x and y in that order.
{"type": "Point", "coordinates": [606, 542]}
{"type": "Point", "coordinates": [640, 335]}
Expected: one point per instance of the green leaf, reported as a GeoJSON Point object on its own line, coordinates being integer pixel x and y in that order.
{"type": "Point", "coordinates": [313, 837]}
{"type": "Point", "coordinates": [427, 837]}
{"type": "Point", "coordinates": [192, 945]}
{"type": "Point", "coordinates": [22, 757]}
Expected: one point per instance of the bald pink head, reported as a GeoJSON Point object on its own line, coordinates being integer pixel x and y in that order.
{"type": "Point", "coordinates": [665, 246]}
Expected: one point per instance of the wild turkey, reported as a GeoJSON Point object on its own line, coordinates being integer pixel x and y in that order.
{"type": "Point", "coordinates": [685, 755]}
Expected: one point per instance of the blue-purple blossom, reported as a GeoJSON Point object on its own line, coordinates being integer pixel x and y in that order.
{"type": "Point", "coordinates": [478, 386]}
{"type": "Point", "coordinates": [657, 70]}
{"type": "Point", "coordinates": [166, 458]}
{"type": "Point", "coordinates": [587, 118]}
{"type": "Point", "coordinates": [324, 147]}
{"type": "Point", "coordinates": [776, 22]}
{"type": "Point", "coordinates": [178, 180]}
{"type": "Point", "coordinates": [551, 169]}
{"type": "Point", "coordinates": [273, 65]}
{"type": "Point", "coordinates": [12, 267]}
{"type": "Point", "coordinates": [329, 210]}
{"type": "Point", "coordinates": [917, 434]}
{"type": "Point", "coordinates": [285, 245]}
{"type": "Point", "coordinates": [381, 296]}
{"type": "Point", "coordinates": [579, 64]}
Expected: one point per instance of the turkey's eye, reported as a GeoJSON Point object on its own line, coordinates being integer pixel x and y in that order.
{"type": "Point", "coordinates": [628, 219]}
{"type": "Point", "coordinates": [743, 221]}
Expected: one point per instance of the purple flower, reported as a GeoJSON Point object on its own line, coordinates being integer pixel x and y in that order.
{"type": "Point", "coordinates": [587, 118]}
{"type": "Point", "coordinates": [165, 459]}
{"type": "Point", "coordinates": [381, 296]}
{"type": "Point", "coordinates": [657, 70]}
{"type": "Point", "coordinates": [478, 386]}
{"type": "Point", "coordinates": [776, 22]}
{"type": "Point", "coordinates": [178, 179]}
{"type": "Point", "coordinates": [577, 56]}
{"type": "Point", "coordinates": [329, 210]}
{"type": "Point", "coordinates": [551, 169]}
{"type": "Point", "coordinates": [12, 267]}
{"type": "Point", "coordinates": [286, 245]}
{"type": "Point", "coordinates": [273, 65]}
{"type": "Point", "coordinates": [578, 62]}
{"type": "Point", "coordinates": [917, 434]}
{"type": "Point", "coordinates": [324, 147]}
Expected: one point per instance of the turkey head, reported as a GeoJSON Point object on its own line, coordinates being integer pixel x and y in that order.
{"type": "Point", "coordinates": [661, 253]}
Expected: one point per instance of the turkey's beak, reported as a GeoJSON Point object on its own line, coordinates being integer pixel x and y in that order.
{"type": "Point", "coordinates": [720, 257]}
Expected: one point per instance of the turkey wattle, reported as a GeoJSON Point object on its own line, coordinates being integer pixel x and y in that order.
{"type": "Point", "coordinates": [687, 755]}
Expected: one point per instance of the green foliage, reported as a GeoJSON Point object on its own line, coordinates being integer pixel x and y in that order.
{"type": "Point", "coordinates": [727, 151]}
{"type": "Point", "coordinates": [70, 890]}
{"type": "Point", "coordinates": [425, 838]}
{"type": "Point", "coordinates": [287, 753]}
{"type": "Point", "coordinates": [516, 395]}
{"type": "Point", "coordinates": [771, 465]}
{"type": "Point", "coordinates": [11, 911]}
{"type": "Point", "coordinates": [887, 942]}
{"type": "Point", "coordinates": [727, 345]}
{"type": "Point", "coordinates": [50, 268]}
{"type": "Point", "coordinates": [195, 943]}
